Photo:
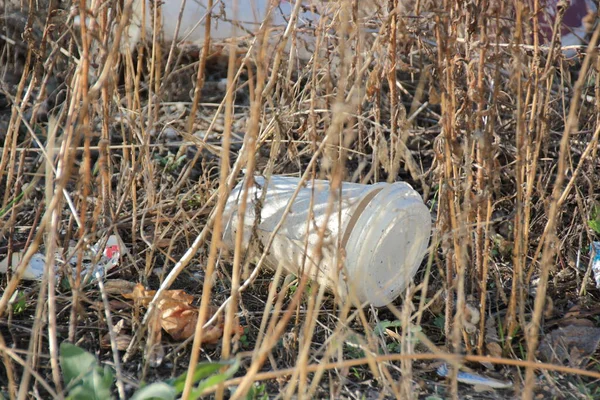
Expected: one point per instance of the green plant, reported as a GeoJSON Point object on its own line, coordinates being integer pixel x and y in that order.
{"type": "Point", "coordinates": [257, 392]}
{"type": "Point", "coordinates": [439, 322]}
{"type": "Point", "coordinates": [207, 375]}
{"type": "Point", "coordinates": [11, 204]}
{"type": "Point", "coordinates": [244, 339]}
{"type": "Point", "coordinates": [594, 221]}
{"type": "Point", "coordinates": [356, 373]}
{"type": "Point", "coordinates": [393, 347]}
{"type": "Point", "coordinates": [385, 324]}
{"type": "Point", "coordinates": [352, 347]}
{"type": "Point", "coordinates": [169, 163]}
{"type": "Point", "coordinates": [86, 379]}
{"type": "Point", "coordinates": [19, 302]}
{"type": "Point", "coordinates": [195, 200]}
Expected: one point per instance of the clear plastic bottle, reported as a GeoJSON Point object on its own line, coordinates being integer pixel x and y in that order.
{"type": "Point", "coordinates": [250, 17]}
{"type": "Point", "coordinates": [382, 233]}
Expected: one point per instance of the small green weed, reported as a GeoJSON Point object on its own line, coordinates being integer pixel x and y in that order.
{"type": "Point", "coordinates": [169, 163]}
{"type": "Point", "coordinates": [258, 392]}
{"type": "Point", "coordinates": [594, 221]}
{"type": "Point", "coordinates": [85, 379]}
{"type": "Point", "coordinates": [385, 324]}
{"type": "Point", "coordinates": [19, 302]}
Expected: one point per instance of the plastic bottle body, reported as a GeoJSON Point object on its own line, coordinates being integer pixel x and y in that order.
{"type": "Point", "coordinates": [373, 236]}
{"type": "Point", "coordinates": [226, 22]}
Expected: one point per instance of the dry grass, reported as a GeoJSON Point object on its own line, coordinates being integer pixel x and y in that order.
{"type": "Point", "coordinates": [497, 132]}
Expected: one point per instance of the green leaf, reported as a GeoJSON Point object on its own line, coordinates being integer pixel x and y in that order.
{"type": "Point", "coordinates": [215, 379]}
{"type": "Point", "coordinates": [94, 386]}
{"type": "Point", "coordinates": [80, 393]}
{"type": "Point", "coordinates": [251, 395]}
{"type": "Point", "coordinates": [203, 370]}
{"type": "Point", "coordinates": [107, 378]}
{"type": "Point", "coordinates": [75, 362]}
{"type": "Point", "coordinates": [257, 392]}
{"type": "Point", "coordinates": [84, 378]}
{"type": "Point", "coordinates": [383, 325]}
{"type": "Point", "coordinates": [595, 213]}
{"type": "Point", "coordinates": [595, 225]}
{"type": "Point", "coordinates": [155, 391]}
{"type": "Point", "coordinates": [19, 304]}
{"type": "Point", "coordinates": [440, 322]}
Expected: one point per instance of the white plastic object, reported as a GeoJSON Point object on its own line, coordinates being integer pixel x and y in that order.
{"type": "Point", "coordinates": [34, 271]}
{"type": "Point", "coordinates": [595, 250]}
{"type": "Point", "coordinates": [578, 22]}
{"type": "Point", "coordinates": [252, 13]}
{"type": "Point", "coordinates": [250, 16]}
{"type": "Point", "coordinates": [382, 229]}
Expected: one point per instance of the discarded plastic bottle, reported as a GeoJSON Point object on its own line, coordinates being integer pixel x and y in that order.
{"type": "Point", "coordinates": [578, 22]}
{"type": "Point", "coordinates": [250, 16]}
{"type": "Point", "coordinates": [382, 231]}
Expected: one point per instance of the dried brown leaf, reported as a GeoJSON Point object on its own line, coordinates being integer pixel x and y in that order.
{"type": "Point", "coordinates": [118, 286]}
{"type": "Point", "coordinates": [162, 243]}
{"type": "Point", "coordinates": [177, 316]}
{"type": "Point", "coordinates": [179, 320]}
{"type": "Point", "coordinates": [212, 334]}
{"type": "Point", "coordinates": [143, 296]}
{"type": "Point", "coordinates": [122, 341]}
{"type": "Point", "coordinates": [140, 295]}
{"type": "Point", "coordinates": [494, 349]}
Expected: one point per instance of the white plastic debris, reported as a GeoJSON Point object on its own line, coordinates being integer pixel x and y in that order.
{"type": "Point", "coordinates": [35, 269]}
{"type": "Point", "coordinates": [382, 229]}
{"type": "Point", "coordinates": [250, 16]}
{"type": "Point", "coordinates": [474, 379]}
{"type": "Point", "coordinates": [578, 22]}
{"type": "Point", "coordinates": [224, 24]}
{"type": "Point", "coordinates": [595, 250]}
{"type": "Point", "coordinates": [245, 22]}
